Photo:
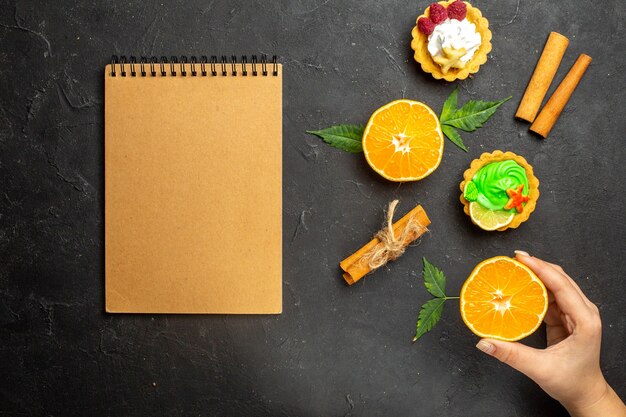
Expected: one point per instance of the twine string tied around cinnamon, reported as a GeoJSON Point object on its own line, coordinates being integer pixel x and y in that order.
{"type": "Point", "coordinates": [392, 245]}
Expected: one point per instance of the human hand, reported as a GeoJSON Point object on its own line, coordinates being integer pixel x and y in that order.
{"type": "Point", "coordinates": [569, 368]}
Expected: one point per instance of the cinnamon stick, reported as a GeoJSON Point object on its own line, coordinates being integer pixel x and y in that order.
{"type": "Point", "coordinates": [553, 108]}
{"type": "Point", "coordinates": [540, 82]}
{"type": "Point", "coordinates": [357, 265]}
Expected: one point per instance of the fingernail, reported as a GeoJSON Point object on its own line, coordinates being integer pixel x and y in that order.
{"type": "Point", "coordinates": [486, 347]}
{"type": "Point", "coordinates": [521, 252]}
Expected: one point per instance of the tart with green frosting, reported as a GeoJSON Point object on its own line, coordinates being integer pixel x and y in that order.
{"type": "Point", "coordinates": [499, 191]}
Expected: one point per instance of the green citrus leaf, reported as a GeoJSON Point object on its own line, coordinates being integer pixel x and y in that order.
{"type": "Point", "coordinates": [429, 315]}
{"type": "Point", "coordinates": [345, 137]}
{"type": "Point", "coordinates": [434, 280]}
{"type": "Point", "coordinates": [473, 114]}
{"type": "Point", "coordinates": [449, 106]}
{"type": "Point", "coordinates": [454, 136]}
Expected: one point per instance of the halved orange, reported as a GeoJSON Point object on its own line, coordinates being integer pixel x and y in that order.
{"type": "Point", "coordinates": [403, 141]}
{"type": "Point", "coordinates": [503, 299]}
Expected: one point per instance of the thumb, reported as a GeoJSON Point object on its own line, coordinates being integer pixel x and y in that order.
{"type": "Point", "coordinates": [521, 357]}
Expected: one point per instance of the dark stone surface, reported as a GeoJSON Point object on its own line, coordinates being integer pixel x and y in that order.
{"type": "Point", "coordinates": [335, 351]}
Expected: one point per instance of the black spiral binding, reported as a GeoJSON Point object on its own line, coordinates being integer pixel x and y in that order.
{"type": "Point", "coordinates": [178, 66]}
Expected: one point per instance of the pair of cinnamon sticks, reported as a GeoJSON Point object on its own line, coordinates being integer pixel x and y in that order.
{"type": "Point", "coordinates": [540, 83]}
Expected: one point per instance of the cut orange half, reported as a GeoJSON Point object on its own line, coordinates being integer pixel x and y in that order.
{"type": "Point", "coordinates": [403, 141]}
{"type": "Point", "coordinates": [503, 299]}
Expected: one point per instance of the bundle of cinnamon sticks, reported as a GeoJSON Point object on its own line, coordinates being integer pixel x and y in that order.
{"type": "Point", "coordinates": [539, 84]}
{"type": "Point", "coordinates": [388, 244]}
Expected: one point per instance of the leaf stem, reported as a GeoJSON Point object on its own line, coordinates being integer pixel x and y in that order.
{"type": "Point", "coordinates": [451, 298]}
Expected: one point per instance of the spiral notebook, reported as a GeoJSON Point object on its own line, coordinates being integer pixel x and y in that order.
{"type": "Point", "coordinates": [193, 185]}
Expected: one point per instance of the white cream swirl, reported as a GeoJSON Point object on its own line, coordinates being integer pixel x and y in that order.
{"type": "Point", "coordinates": [455, 34]}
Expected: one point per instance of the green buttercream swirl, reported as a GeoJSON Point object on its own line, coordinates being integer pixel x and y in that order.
{"type": "Point", "coordinates": [494, 179]}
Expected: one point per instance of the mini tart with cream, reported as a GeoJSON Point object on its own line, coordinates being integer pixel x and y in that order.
{"type": "Point", "coordinates": [499, 191]}
{"type": "Point", "coordinates": [452, 40]}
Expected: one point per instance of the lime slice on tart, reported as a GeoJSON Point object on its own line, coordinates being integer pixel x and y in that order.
{"type": "Point", "coordinates": [489, 219]}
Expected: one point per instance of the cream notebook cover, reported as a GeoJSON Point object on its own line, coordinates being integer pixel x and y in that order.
{"type": "Point", "coordinates": [193, 186]}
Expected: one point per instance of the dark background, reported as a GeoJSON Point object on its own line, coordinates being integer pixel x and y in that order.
{"type": "Point", "coordinates": [336, 350]}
